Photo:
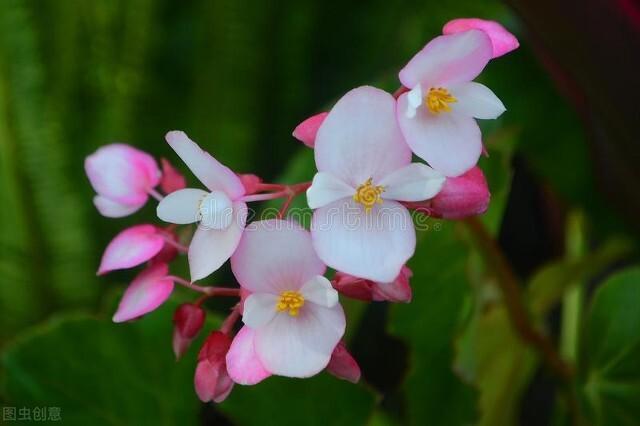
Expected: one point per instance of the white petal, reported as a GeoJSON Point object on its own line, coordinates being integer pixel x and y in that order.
{"type": "Point", "coordinates": [213, 174]}
{"type": "Point", "coordinates": [326, 189]}
{"type": "Point", "coordinates": [360, 138]}
{"type": "Point", "coordinates": [300, 346]}
{"type": "Point", "coordinates": [275, 256]}
{"type": "Point", "coordinates": [110, 208]}
{"type": "Point", "coordinates": [181, 206]}
{"type": "Point", "coordinates": [371, 245]}
{"type": "Point", "coordinates": [415, 182]}
{"type": "Point", "coordinates": [259, 309]}
{"type": "Point", "coordinates": [319, 291]}
{"type": "Point", "coordinates": [210, 248]}
{"type": "Point", "coordinates": [415, 96]}
{"type": "Point", "coordinates": [476, 100]}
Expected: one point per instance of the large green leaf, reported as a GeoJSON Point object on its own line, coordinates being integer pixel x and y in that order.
{"type": "Point", "coordinates": [609, 357]}
{"type": "Point", "coordinates": [102, 373]}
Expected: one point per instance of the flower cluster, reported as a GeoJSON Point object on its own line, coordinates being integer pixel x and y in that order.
{"type": "Point", "coordinates": [362, 196]}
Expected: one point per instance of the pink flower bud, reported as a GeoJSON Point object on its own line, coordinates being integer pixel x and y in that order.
{"type": "Point", "coordinates": [188, 319]}
{"type": "Point", "coordinates": [146, 293]}
{"type": "Point", "coordinates": [250, 183]}
{"type": "Point", "coordinates": [502, 40]}
{"type": "Point", "coordinates": [306, 131]}
{"type": "Point", "coordinates": [211, 381]}
{"type": "Point", "coordinates": [398, 290]}
{"type": "Point", "coordinates": [343, 365]}
{"type": "Point", "coordinates": [462, 196]}
{"type": "Point", "coordinates": [172, 180]}
{"type": "Point", "coordinates": [131, 247]}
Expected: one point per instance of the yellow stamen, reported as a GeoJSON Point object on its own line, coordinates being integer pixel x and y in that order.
{"type": "Point", "coordinates": [368, 195]}
{"type": "Point", "coordinates": [290, 301]}
{"type": "Point", "coordinates": [438, 100]}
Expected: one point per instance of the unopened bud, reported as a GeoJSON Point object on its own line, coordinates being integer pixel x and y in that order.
{"type": "Point", "coordinates": [188, 320]}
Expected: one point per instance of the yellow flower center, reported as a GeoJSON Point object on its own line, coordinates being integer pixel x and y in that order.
{"type": "Point", "coordinates": [367, 195]}
{"type": "Point", "coordinates": [290, 301]}
{"type": "Point", "coordinates": [438, 100]}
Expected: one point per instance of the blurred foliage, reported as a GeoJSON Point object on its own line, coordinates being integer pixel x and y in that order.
{"type": "Point", "coordinates": [75, 75]}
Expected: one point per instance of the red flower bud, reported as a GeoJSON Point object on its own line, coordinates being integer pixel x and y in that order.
{"type": "Point", "coordinates": [211, 380]}
{"type": "Point", "coordinates": [306, 131]}
{"type": "Point", "coordinates": [357, 288]}
{"type": "Point", "coordinates": [172, 180]}
{"type": "Point", "coordinates": [343, 365]}
{"type": "Point", "coordinates": [250, 183]}
{"type": "Point", "coordinates": [188, 319]}
{"type": "Point", "coordinates": [462, 196]}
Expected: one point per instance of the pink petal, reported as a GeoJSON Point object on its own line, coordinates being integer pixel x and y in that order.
{"type": "Point", "coordinates": [243, 365]}
{"type": "Point", "coordinates": [300, 346]}
{"type": "Point", "coordinates": [397, 291]}
{"type": "Point", "coordinates": [449, 142]}
{"type": "Point", "coordinates": [462, 196]}
{"type": "Point", "coordinates": [274, 256]}
{"type": "Point", "coordinates": [448, 59]}
{"type": "Point", "coordinates": [210, 171]}
{"type": "Point", "coordinates": [122, 173]}
{"type": "Point", "coordinates": [307, 130]}
{"type": "Point", "coordinates": [360, 138]}
{"type": "Point", "coordinates": [210, 248]}
{"type": "Point", "coordinates": [343, 365]}
{"type": "Point", "coordinates": [110, 208]}
{"type": "Point", "coordinates": [371, 245]}
{"type": "Point", "coordinates": [131, 247]}
{"type": "Point", "coordinates": [502, 40]}
{"type": "Point", "coordinates": [211, 380]}
{"type": "Point", "coordinates": [172, 180]}
{"type": "Point", "coordinates": [146, 292]}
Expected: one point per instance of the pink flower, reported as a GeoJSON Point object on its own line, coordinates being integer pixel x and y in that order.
{"type": "Point", "coordinates": [131, 247]}
{"type": "Point", "coordinates": [364, 169]}
{"type": "Point", "coordinates": [211, 381]}
{"type": "Point", "coordinates": [188, 320]}
{"type": "Point", "coordinates": [462, 196]}
{"type": "Point", "coordinates": [502, 40]}
{"type": "Point", "coordinates": [122, 177]}
{"type": "Point", "coordinates": [437, 115]}
{"type": "Point", "coordinates": [172, 180]}
{"type": "Point", "coordinates": [146, 292]}
{"type": "Point", "coordinates": [343, 365]}
{"type": "Point", "coordinates": [398, 290]}
{"type": "Point", "coordinates": [306, 131]}
{"type": "Point", "coordinates": [220, 212]}
{"type": "Point", "coordinates": [293, 314]}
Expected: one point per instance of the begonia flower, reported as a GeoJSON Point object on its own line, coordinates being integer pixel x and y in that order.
{"type": "Point", "coordinates": [220, 212]}
{"type": "Point", "coordinates": [132, 247]}
{"type": "Point", "coordinates": [211, 380]}
{"type": "Point", "coordinates": [437, 115]}
{"type": "Point", "coordinates": [150, 289]}
{"type": "Point", "coordinates": [122, 177]}
{"type": "Point", "coordinates": [293, 312]}
{"type": "Point", "coordinates": [462, 196]}
{"type": "Point", "coordinates": [502, 40]}
{"type": "Point", "coordinates": [364, 170]}
{"type": "Point", "coordinates": [398, 290]}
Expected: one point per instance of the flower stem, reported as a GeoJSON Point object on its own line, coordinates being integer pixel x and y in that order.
{"type": "Point", "coordinates": [513, 301]}
{"type": "Point", "coordinates": [209, 291]}
{"type": "Point", "coordinates": [230, 321]}
{"type": "Point", "coordinates": [155, 194]}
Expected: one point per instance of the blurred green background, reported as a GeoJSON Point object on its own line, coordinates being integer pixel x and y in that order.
{"type": "Point", "coordinates": [238, 77]}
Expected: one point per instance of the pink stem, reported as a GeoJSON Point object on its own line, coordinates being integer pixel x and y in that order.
{"type": "Point", "coordinates": [155, 194]}
{"type": "Point", "coordinates": [209, 291]}
{"type": "Point", "coordinates": [169, 240]}
{"type": "Point", "coordinates": [230, 321]}
{"type": "Point", "coordinates": [263, 197]}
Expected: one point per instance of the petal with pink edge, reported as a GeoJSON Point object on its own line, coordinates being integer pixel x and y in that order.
{"type": "Point", "coordinates": [476, 100]}
{"type": "Point", "coordinates": [131, 247]}
{"type": "Point", "coordinates": [360, 138]}
{"type": "Point", "coordinates": [448, 59]}
{"type": "Point", "coordinates": [415, 182]}
{"type": "Point", "coordinates": [300, 346]}
{"type": "Point", "coordinates": [451, 143]}
{"type": "Point", "coordinates": [326, 189]}
{"type": "Point", "coordinates": [213, 174]}
{"type": "Point", "coordinates": [243, 364]}
{"type": "Point", "coordinates": [122, 173]}
{"type": "Point", "coordinates": [110, 208]}
{"type": "Point", "coordinates": [146, 292]}
{"type": "Point", "coordinates": [306, 131]}
{"type": "Point", "coordinates": [210, 248]}
{"type": "Point", "coordinates": [502, 40]}
{"type": "Point", "coordinates": [275, 256]}
{"type": "Point", "coordinates": [371, 245]}
{"type": "Point", "coordinates": [181, 206]}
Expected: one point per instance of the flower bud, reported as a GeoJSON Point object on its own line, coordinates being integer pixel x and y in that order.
{"type": "Point", "coordinates": [250, 183]}
{"type": "Point", "coordinates": [188, 319]}
{"type": "Point", "coordinates": [172, 180]}
{"type": "Point", "coordinates": [343, 365]}
{"type": "Point", "coordinates": [211, 381]}
{"type": "Point", "coordinates": [306, 131]}
{"type": "Point", "coordinates": [502, 40]}
{"type": "Point", "coordinates": [462, 196]}
{"type": "Point", "coordinates": [398, 290]}
{"type": "Point", "coordinates": [131, 247]}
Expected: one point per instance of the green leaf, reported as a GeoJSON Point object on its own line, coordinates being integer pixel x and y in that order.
{"type": "Point", "coordinates": [609, 366]}
{"type": "Point", "coordinates": [104, 373]}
